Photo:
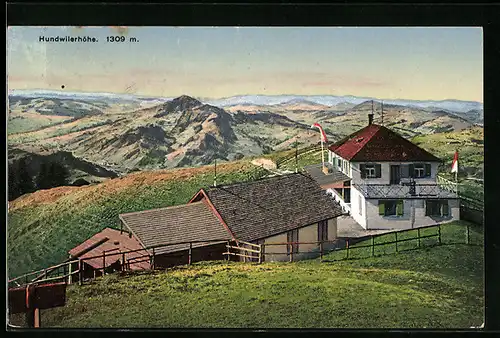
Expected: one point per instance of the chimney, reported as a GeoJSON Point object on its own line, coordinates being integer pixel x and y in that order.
{"type": "Point", "coordinates": [370, 118]}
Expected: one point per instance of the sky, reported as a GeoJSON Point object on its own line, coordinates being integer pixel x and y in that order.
{"type": "Point", "coordinates": [419, 63]}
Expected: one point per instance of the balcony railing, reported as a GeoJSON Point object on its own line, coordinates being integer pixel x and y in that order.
{"type": "Point", "coordinates": [447, 184]}
{"type": "Point", "coordinates": [404, 191]}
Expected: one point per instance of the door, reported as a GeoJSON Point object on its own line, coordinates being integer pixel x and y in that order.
{"type": "Point", "coordinates": [395, 174]}
{"type": "Point", "coordinates": [347, 195]}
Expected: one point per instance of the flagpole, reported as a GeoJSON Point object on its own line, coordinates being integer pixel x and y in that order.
{"type": "Point", "coordinates": [322, 152]}
{"type": "Point", "coordinates": [456, 174]}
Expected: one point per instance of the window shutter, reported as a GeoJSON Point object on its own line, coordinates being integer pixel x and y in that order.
{"type": "Point", "coordinates": [412, 170]}
{"type": "Point", "coordinates": [399, 208]}
{"type": "Point", "coordinates": [381, 208]}
{"type": "Point", "coordinates": [427, 209]}
{"type": "Point", "coordinates": [378, 171]}
{"type": "Point", "coordinates": [362, 170]}
{"type": "Point", "coordinates": [427, 170]}
{"type": "Point", "coordinates": [445, 209]}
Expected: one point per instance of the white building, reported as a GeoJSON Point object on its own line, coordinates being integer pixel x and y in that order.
{"type": "Point", "coordinates": [386, 182]}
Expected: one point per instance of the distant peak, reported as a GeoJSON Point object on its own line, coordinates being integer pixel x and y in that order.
{"type": "Point", "coordinates": [187, 99]}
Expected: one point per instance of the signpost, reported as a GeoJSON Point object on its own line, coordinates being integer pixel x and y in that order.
{"type": "Point", "coordinates": [33, 298]}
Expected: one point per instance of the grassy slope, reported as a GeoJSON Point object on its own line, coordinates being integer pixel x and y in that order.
{"type": "Point", "coordinates": [434, 287]}
{"type": "Point", "coordinates": [469, 143]}
{"type": "Point", "coordinates": [45, 225]}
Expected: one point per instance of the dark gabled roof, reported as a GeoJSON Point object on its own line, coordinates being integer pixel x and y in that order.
{"type": "Point", "coordinates": [183, 223]}
{"type": "Point", "coordinates": [267, 207]}
{"type": "Point", "coordinates": [111, 241]}
{"type": "Point", "coordinates": [378, 143]}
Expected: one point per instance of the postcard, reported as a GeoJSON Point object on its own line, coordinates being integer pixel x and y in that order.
{"type": "Point", "coordinates": [245, 177]}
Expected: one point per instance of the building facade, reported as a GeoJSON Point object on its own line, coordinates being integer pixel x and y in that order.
{"type": "Point", "coordinates": [389, 182]}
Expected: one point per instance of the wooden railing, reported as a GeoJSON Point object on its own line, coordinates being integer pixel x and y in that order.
{"type": "Point", "coordinates": [399, 238]}
{"type": "Point", "coordinates": [281, 161]}
{"type": "Point", "coordinates": [69, 276]}
{"type": "Point", "coordinates": [240, 249]}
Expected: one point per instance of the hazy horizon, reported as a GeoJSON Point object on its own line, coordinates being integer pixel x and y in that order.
{"type": "Point", "coordinates": [416, 63]}
{"type": "Point", "coordinates": [226, 97]}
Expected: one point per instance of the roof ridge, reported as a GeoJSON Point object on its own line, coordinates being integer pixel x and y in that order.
{"type": "Point", "coordinates": [163, 208]}
{"type": "Point", "coordinates": [250, 181]}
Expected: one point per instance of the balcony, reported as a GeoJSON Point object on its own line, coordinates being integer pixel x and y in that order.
{"type": "Point", "coordinates": [436, 190]}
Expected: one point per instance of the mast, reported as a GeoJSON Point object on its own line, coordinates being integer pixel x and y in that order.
{"type": "Point", "coordinates": [215, 173]}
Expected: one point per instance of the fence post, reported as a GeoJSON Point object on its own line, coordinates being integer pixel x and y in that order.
{"type": "Point", "coordinates": [190, 252]}
{"type": "Point", "coordinates": [80, 271]}
{"type": "Point", "coordinates": [260, 253]}
{"type": "Point", "coordinates": [291, 252]}
{"type": "Point", "coordinates": [396, 241]}
{"type": "Point", "coordinates": [467, 238]}
{"type": "Point", "coordinates": [373, 245]}
{"type": "Point", "coordinates": [103, 263]}
{"type": "Point", "coordinates": [321, 251]}
{"type": "Point", "coordinates": [228, 250]}
{"type": "Point", "coordinates": [418, 235]}
{"type": "Point", "coordinates": [439, 233]}
{"type": "Point", "coordinates": [70, 270]}
{"type": "Point", "coordinates": [123, 262]}
{"type": "Point", "coordinates": [153, 265]}
{"type": "Point", "coordinates": [347, 247]}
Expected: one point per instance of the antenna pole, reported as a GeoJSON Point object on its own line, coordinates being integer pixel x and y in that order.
{"type": "Point", "coordinates": [296, 156]}
{"type": "Point", "coordinates": [382, 112]}
{"type": "Point", "coordinates": [215, 176]}
{"type": "Point", "coordinates": [372, 106]}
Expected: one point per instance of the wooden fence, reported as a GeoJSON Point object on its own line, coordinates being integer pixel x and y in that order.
{"type": "Point", "coordinates": [248, 251]}
{"type": "Point", "coordinates": [349, 246]}
{"type": "Point", "coordinates": [401, 237]}
{"type": "Point", "coordinates": [282, 160]}
{"type": "Point", "coordinates": [64, 271]}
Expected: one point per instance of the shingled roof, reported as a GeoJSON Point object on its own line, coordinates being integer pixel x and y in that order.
{"type": "Point", "coordinates": [378, 143]}
{"type": "Point", "coordinates": [270, 206]}
{"type": "Point", "coordinates": [111, 241]}
{"type": "Point", "coordinates": [183, 223]}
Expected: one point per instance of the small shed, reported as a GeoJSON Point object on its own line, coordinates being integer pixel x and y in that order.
{"type": "Point", "coordinates": [183, 223]}
{"type": "Point", "coordinates": [110, 243]}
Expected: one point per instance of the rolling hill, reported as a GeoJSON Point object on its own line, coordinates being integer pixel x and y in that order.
{"type": "Point", "coordinates": [153, 133]}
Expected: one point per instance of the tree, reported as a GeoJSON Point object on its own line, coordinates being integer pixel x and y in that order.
{"type": "Point", "coordinates": [43, 179]}
{"type": "Point", "coordinates": [58, 174]}
{"type": "Point", "coordinates": [13, 184]}
{"type": "Point", "coordinates": [52, 175]}
{"type": "Point", "coordinates": [25, 181]}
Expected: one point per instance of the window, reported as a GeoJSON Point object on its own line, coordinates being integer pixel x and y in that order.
{"type": "Point", "coordinates": [292, 236]}
{"type": "Point", "coordinates": [338, 162]}
{"type": "Point", "coordinates": [322, 231]}
{"type": "Point", "coordinates": [391, 208]}
{"type": "Point", "coordinates": [360, 205]}
{"type": "Point", "coordinates": [370, 170]}
{"type": "Point", "coordinates": [420, 170]}
{"type": "Point", "coordinates": [437, 208]}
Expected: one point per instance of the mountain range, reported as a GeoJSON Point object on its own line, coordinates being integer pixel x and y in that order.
{"type": "Point", "coordinates": [124, 133]}
{"type": "Point", "coordinates": [328, 100]}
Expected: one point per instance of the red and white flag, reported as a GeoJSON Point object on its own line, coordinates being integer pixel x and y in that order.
{"type": "Point", "coordinates": [454, 164]}
{"type": "Point", "coordinates": [323, 135]}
